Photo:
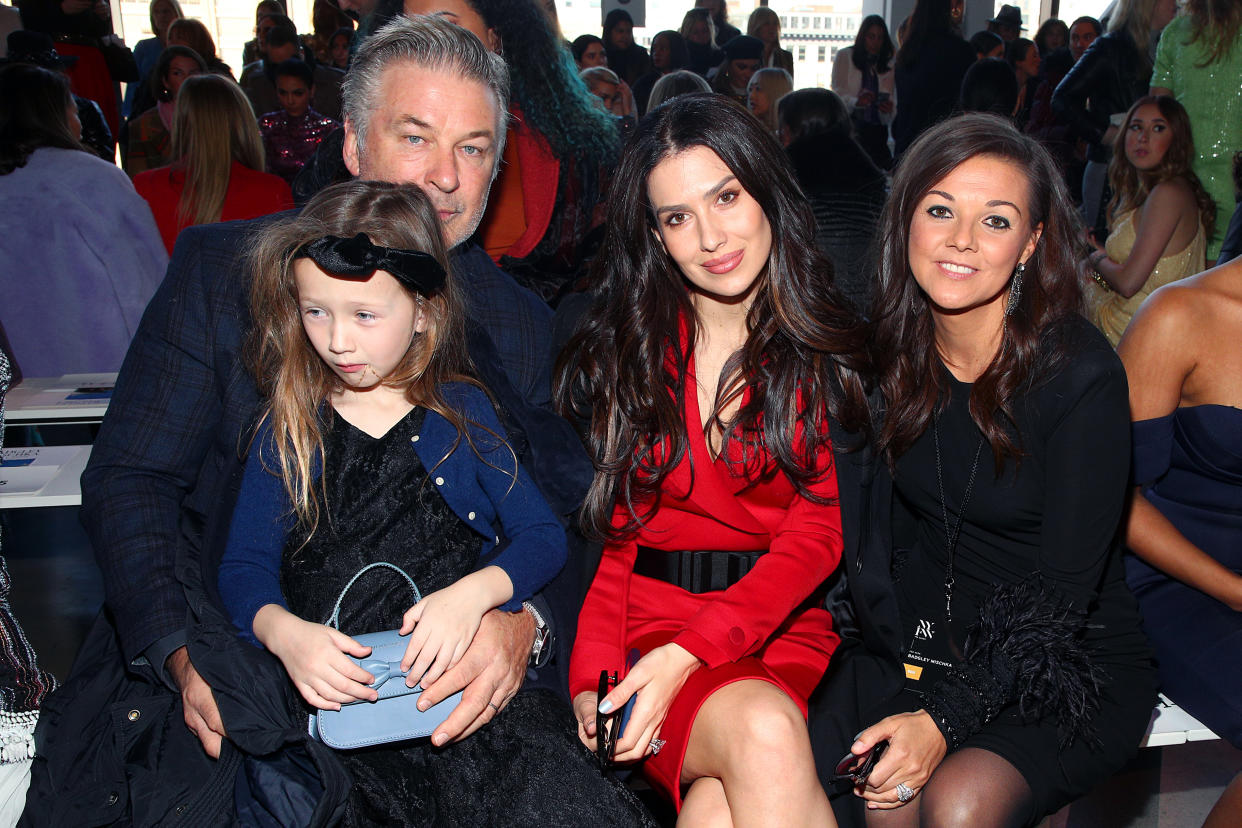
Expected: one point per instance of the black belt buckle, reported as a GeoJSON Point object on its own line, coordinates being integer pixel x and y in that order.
{"type": "Point", "coordinates": [696, 571]}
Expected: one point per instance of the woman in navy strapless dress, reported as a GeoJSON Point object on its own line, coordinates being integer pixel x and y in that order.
{"type": "Point", "coordinates": [1185, 527]}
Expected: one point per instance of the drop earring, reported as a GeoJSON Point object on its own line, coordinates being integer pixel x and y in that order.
{"type": "Point", "coordinates": [1015, 289]}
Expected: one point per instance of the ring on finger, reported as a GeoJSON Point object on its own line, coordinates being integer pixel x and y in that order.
{"type": "Point", "coordinates": [904, 792]}
{"type": "Point", "coordinates": [657, 745]}
{"type": "Point", "coordinates": [493, 706]}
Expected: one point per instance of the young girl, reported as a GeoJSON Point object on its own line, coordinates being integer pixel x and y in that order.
{"type": "Point", "coordinates": [375, 445]}
{"type": "Point", "coordinates": [1160, 217]}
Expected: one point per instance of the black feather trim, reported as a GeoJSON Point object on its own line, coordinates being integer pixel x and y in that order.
{"type": "Point", "coordinates": [1030, 638]}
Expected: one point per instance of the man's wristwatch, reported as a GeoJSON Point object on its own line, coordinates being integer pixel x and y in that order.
{"type": "Point", "coordinates": [540, 652]}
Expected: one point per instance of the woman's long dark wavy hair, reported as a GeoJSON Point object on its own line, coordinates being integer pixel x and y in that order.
{"type": "Point", "coordinates": [623, 374]}
{"type": "Point", "coordinates": [543, 79]}
{"type": "Point", "coordinates": [907, 362]}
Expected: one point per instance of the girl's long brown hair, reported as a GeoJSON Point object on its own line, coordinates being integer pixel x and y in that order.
{"type": "Point", "coordinates": [1131, 186]}
{"type": "Point", "coordinates": [291, 376]}
{"type": "Point", "coordinates": [911, 376]}
{"type": "Point", "coordinates": [623, 375]}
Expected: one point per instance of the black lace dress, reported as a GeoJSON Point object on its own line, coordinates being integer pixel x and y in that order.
{"type": "Point", "coordinates": [527, 766]}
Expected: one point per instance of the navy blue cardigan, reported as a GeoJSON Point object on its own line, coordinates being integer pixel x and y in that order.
{"type": "Point", "coordinates": [479, 488]}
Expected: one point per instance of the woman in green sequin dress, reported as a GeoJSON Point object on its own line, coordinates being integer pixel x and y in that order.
{"type": "Point", "coordinates": [1199, 62]}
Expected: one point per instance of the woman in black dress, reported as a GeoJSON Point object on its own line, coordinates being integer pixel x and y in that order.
{"type": "Point", "coordinates": [1026, 677]}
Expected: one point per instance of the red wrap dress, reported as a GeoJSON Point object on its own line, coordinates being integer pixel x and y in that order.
{"type": "Point", "coordinates": [767, 626]}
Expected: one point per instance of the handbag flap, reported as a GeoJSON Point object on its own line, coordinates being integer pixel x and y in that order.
{"type": "Point", "coordinates": [395, 716]}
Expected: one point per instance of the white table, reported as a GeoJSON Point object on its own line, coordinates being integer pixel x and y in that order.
{"type": "Point", "coordinates": [46, 400]}
{"type": "Point", "coordinates": [53, 479]}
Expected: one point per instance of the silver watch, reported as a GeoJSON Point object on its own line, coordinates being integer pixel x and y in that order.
{"type": "Point", "coordinates": [540, 652]}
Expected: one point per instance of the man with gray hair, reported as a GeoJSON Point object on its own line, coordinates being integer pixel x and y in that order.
{"type": "Point", "coordinates": [425, 103]}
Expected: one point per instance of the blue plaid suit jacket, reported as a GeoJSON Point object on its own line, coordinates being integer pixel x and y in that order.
{"type": "Point", "coordinates": [180, 419]}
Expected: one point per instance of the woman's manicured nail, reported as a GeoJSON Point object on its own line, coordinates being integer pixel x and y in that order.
{"type": "Point", "coordinates": [605, 707]}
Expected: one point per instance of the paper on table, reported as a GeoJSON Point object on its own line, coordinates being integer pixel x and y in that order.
{"type": "Point", "coordinates": [27, 470]}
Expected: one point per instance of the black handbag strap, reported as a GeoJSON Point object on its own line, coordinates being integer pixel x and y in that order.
{"type": "Point", "coordinates": [334, 620]}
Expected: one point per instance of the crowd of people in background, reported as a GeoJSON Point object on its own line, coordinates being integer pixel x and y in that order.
{"type": "Point", "coordinates": [1085, 178]}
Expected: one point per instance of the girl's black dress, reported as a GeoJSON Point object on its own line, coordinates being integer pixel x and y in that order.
{"type": "Point", "coordinates": [526, 767]}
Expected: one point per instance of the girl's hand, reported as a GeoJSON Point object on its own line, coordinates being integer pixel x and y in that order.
{"type": "Point", "coordinates": [657, 677]}
{"type": "Point", "coordinates": [865, 99]}
{"type": "Point", "coordinates": [444, 623]}
{"type": "Point", "coordinates": [314, 656]}
{"type": "Point", "coordinates": [585, 710]}
{"type": "Point", "coordinates": [915, 749]}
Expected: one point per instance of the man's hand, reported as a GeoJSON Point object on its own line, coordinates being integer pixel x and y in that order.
{"type": "Point", "coordinates": [489, 674]}
{"type": "Point", "coordinates": [201, 714]}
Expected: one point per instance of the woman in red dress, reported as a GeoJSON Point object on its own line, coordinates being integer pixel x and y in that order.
{"type": "Point", "coordinates": [705, 377]}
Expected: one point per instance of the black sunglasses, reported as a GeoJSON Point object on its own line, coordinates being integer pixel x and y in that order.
{"type": "Point", "coordinates": [855, 769]}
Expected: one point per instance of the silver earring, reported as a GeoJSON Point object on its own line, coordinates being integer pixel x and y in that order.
{"type": "Point", "coordinates": [1015, 289]}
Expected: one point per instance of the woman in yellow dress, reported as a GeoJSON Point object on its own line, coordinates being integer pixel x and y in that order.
{"type": "Point", "coordinates": [1161, 216]}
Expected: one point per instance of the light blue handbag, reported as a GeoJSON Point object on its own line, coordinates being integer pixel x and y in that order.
{"type": "Point", "coordinates": [394, 716]}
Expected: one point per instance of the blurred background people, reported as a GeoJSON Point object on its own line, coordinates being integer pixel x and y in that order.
{"type": "Point", "coordinates": [846, 190]}
{"type": "Point", "coordinates": [1160, 216]}
{"type": "Point", "coordinates": [1051, 36]}
{"type": "Point", "coordinates": [765, 25]}
{"type": "Point", "coordinates": [766, 88]}
{"type": "Point", "coordinates": [588, 51]}
{"type": "Point", "coordinates": [625, 57]}
{"type": "Point", "coordinates": [36, 48]}
{"type": "Point", "coordinates": [987, 45]}
{"type": "Point", "coordinates": [83, 255]}
{"type": "Point", "coordinates": [147, 136]}
{"type": "Point", "coordinates": [339, 48]}
{"type": "Point", "coordinates": [990, 86]}
{"type": "Point", "coordinates": [255, 49]}
{"type": "Point", "coordinates": [162, 14]}
{"type": "Point", "coordinates": [1022, 55]}
{"type": "Point", "coordinates": [668, 54]}
{"type": "Point", "coordinates": [218, 172]}
{"type": "Point", "coordinates": [701, 41]}
{"type": "Point", "coordinates": [680, 82]}
{"type": "Point", "coordinates": [292, 133]}
{"type": "Point", "coordinates": [258, 79]}
{"type": "Point", "coordinates": [741, 61]}
{"type": "Point", "coordinates": [863, 76]}
{"type": "Point", "coordinates": [193, 33]}
{"type": "Point", "coordinates": [1199, 62]}
{"type": "Point", "coordinates": [719, 11]}
{"type": "Point", "coordinates": [614, 96]}
{"type": "Point", "coordinates": [326, 19]}
{"type": "Point", "coordinates": [1083, 33]}
{"type": "Point", "coordinates": [1112, 74]}
{"type": "Point", "coordinates": [931, 63]}
{"type": "Point", "coordinates": [1007, 23]}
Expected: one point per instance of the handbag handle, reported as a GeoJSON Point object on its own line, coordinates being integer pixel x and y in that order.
{"type": "Point", "coordinates": [334, 620]}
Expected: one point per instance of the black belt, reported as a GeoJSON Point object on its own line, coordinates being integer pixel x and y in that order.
{"type": "Point", "coordinates": [695, 571]}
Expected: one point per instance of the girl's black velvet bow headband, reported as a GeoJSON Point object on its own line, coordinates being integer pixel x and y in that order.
{"type": "Point", "coordinates": [359, 258]}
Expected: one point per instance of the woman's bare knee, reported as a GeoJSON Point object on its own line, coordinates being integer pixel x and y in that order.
{"type": "Point", "coordinates": [750, 725]}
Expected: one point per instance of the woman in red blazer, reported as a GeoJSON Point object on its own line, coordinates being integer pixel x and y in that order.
{"type": "Point", "coordinates": [218, 174]}
{"type": "Point", "coordinates": [705, 378]}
